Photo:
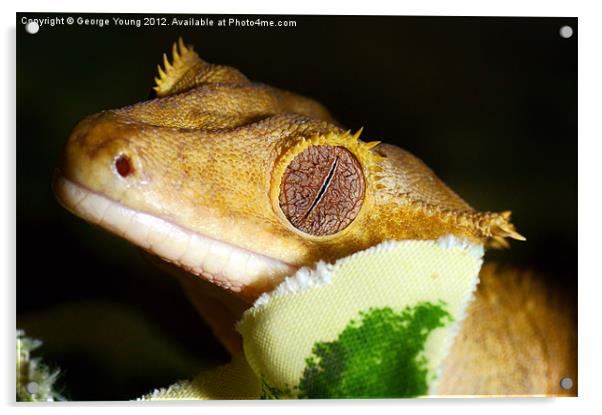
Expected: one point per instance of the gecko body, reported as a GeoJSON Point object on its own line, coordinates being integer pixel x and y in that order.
{"type": "Point", "coordinates": [240, 184]}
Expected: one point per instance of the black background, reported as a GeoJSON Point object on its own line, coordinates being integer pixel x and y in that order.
{"type": "Point", "coordinates": [489, 103]}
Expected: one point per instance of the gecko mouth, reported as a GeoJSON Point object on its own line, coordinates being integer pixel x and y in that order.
{"type": "Point", "coordinates": [226, 265]}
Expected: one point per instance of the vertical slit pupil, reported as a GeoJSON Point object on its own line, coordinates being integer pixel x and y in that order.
{"type": "Point", "coordinates": [123, 165]}
{"type": "Point", "coordinates": [323, 188]}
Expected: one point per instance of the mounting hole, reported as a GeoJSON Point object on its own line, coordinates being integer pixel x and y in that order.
{"type": "Point", "coordinates": [32, 27]}
{"type": "Point", "coordinates": [123, 165]}
{"type": "Point", "coordinates": [566, 32]}
{"type": "Point", "coordinates": [566, 383]}
{"type": "Point", "coordinates": [32, 388]}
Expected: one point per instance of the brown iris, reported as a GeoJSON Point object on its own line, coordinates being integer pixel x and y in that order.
{"type": "Point", "coordinates": [322, 190]}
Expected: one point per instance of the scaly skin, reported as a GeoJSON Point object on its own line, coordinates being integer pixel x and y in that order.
{"type": "Point", "coordinates": [205, 164]}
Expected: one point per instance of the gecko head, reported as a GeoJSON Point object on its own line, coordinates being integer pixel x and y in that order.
{"type": "Point", "coordinates": [242, 184]}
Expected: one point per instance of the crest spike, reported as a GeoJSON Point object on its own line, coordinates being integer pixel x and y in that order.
{"type": "Point", "coordinates": [175, 53]}
{"type": "Point", "coordinates": [162, 74]}
{"type": "Point", "coordinates": [183, 48]}
{"type": "Point", "coordinates": [166, 63]}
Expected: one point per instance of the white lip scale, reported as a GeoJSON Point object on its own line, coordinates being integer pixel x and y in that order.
{"type": "Point", "coordinates": [224, 264]}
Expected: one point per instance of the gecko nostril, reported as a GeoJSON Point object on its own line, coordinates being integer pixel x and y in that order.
{"type": "Point", "coordinates": [123, 165]}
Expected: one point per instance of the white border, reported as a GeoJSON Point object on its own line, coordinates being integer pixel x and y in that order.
{"type": "Point", "coordinates": [590, 202]}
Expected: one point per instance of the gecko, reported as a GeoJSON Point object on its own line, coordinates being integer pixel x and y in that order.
{"type": "Point", "coordinates": [231, 185]}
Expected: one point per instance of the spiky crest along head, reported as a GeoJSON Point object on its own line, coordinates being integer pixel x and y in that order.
{"type": "Point", "coordinates": [187, 70]}
{"type": "Point", "coordinates": [184, 58]}
{"type": "Point", "coordinates": [334, 187]}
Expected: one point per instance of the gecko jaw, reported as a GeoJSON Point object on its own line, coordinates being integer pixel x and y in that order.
{"type": "Point", "coordinates": [228, 266]}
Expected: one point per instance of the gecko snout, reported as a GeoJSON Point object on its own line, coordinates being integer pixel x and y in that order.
{"type": "Point", "coordinates": [101, 154]}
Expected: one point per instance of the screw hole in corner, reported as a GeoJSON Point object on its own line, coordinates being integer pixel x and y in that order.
{"type": "Point", "coordinates": [566, 383]}
{"type": "Point", "coordinates": [32, 27]}
{"type": "Point", "coordinates": [566, 32]}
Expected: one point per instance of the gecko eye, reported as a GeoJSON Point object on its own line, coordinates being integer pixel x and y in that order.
{"type": "Point", "coordinates": [322, 190]}
{"type": "Point", "coordinates": [123, 165]}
